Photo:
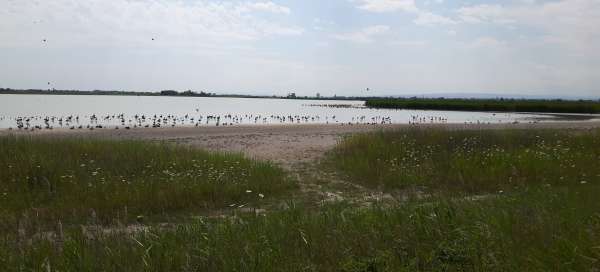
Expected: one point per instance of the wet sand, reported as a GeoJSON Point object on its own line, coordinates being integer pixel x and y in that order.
{"type": "Point", "coordinates": [286, 145]}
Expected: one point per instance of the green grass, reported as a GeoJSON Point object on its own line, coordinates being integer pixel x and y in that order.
{"type": "Point", "coordinates": [541, 230]}
{"type": "Point", "coordinates": [547, 217]}
{"type": "Point", "coordinates": [46, 180]}
{"type": "Point", "coordinates": [477, 161]}
{"type": "Point", "coordinates": [502, 105]}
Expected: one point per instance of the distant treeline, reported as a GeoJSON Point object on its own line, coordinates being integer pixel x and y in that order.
{"type": "Point", "coordinates": [101, 92]}
{"type": "Point", "coordinates": [188, 93]}
{"type": "Point", "coordinates": [500, 105]}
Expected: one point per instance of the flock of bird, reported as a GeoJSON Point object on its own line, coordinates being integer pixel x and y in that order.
{"type": "Point", "coordinates": [429, 119]}
{"type": "Point", "coordinates": [418, 119]}
{"type": "Point", "coordinates": [122, 121]}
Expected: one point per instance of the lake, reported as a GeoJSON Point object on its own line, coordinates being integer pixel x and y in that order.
{"type": "Point", "coordinates": [66, 111]}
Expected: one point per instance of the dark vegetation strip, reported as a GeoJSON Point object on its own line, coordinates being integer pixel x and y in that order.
{"type": "Point", "coordinates": [499, 105]}
{"type": "Point", "coordinates": [68, 179]}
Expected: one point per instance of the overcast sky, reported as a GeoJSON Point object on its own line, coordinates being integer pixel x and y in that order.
{"type": "Point", "coordinates": [341, 47]}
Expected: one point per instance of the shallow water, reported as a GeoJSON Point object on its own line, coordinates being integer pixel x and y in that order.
{"type": "Point", "coordinates": [207, 111]}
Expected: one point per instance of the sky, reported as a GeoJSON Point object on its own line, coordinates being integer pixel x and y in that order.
{"type": "Point", "coordinates": [331, 47]}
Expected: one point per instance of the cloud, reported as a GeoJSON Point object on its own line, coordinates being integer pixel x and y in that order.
{"type": "Point", "coordinates": [131, 23]}
{"type": "Point", "coordinates": [364, 35]}
{"type": "Point", "coordinates": [387, 5]}
{"type": "Point", "coordinates": [423, 17]}
{"type": "Point", "coordinates": [408, 43]}
{"type": "Point", "coordinates": [322, 24]}
{"type": "Point", "coordinates": [267, 7]}
{"type": "Point", "coordinates": [487, 43]}
{"type": "Point", "coordinates": [485, 14]}
{"type": "Point", "coordinates": [428, 18]}
{"type": "Point", "coordinates": [569, 23]}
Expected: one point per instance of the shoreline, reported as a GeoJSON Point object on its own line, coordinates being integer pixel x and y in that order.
{"type": "Point", "coordinates": [289, 146]}
{"type": "Point", "coordinates": [558, 124]}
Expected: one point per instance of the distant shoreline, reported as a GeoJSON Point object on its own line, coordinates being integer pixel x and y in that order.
{"type": "Point", "coordinates": [171, 94]}
{"type": "Point", "coordinates": [557, 107]}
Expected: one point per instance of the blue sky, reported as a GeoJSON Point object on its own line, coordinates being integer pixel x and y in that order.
{"type": "Point", "coordinates": [393, 47]}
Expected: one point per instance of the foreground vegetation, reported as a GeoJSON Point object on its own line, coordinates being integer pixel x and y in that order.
{"type": "Point", "coordinates": [46, 180]}
{"type": "Point", "coordinates": [548, 229]}
{"type": "Point", "coordinates": [501, 105]}
{"type": "Point", "coordinates": [494, 201]}
{"type": "Point", "coordinates": [480, 161]}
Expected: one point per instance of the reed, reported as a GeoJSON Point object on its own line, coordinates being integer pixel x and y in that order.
{"type": "Point", "coordinates": [499, 105]}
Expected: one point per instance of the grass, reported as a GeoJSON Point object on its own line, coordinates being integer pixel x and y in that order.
{"type": "Point", "coordinates": [539, 212]}
{"type": "Point", "coordinates": [542, 230]}
{"type": "Point", "coordinates": [46, 180]}
{"type": "Point", "coordinates": [478, 161]}
{"type": "Point", "coordinates": [501, 105]}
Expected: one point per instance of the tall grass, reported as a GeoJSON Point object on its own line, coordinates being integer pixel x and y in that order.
{"type": "Point", "coordinates": [542, 230]}
{"type": "Point", "coordinates": [69, 179]}
{"type": "Point", "coordinates": [469, 161]}
{"type": "Point", "coordinates": [508, 105]}
{"type": "Point", "coordinates": [544, 214]}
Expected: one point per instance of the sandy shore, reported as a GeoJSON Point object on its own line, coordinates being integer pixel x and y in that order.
{"type": "Point", "coordinates": [286, 145]}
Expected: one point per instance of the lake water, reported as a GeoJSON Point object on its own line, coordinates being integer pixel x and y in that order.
{"type": "Point", "coordinates": [132, 111]}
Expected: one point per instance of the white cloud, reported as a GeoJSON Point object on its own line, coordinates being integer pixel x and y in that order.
{"type": "Point", "coordinates": [387, 5]}
{"type": "Point", "coordinates": [408, 43]}
{"type": "Point", "coordinates": [365, 35]}
{"type": "Point", "coordinates": [485, 13]}
{"type": "Point", "coordinates": [573, 24]}
{"type": "Point", "coordinates": [130, 23]}
{"type": "Point", "coordinates": [428, 18]}
{"type": "Point", "coordinates": [322, 24]}
{"type": "Point", "coordinates": [487, 43]}
{"type": "Point", "coordinates": [423, 17]}
{"type": "Point", "coordinates": [267, 7]}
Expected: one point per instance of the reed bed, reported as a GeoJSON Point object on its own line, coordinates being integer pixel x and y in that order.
{"type": "Point", "coordinates": [474, 161]}
{"type": "Point", "coordinates": [45, 180]}
{"type": "Point", "coordinates": [500, 105]}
